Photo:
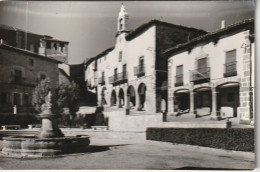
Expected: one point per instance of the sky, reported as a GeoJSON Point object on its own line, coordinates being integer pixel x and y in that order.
{"type": "Point", "coordinates": [90, 27]}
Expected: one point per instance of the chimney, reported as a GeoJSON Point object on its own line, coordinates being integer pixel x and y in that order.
{"type": "Point", "coordinates": [223, 24]}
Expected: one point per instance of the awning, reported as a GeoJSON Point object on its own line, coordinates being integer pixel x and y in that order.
{"type": "Point", "coordinates": [182, 91]}
{"type": "Point", "coordinates": [234, 84]}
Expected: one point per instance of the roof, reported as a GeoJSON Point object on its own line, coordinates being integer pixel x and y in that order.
{"type": "Point", "coordinates": [132, 34]}
{"type": "Point", "coordinates": [105, 52]}
{"type": "Point", "coordinates": [64, 73]}
{"type": "Point", "coordinates": [151, 23]}
{"type": "Point", "coordinates": [27, 52]}
{"type": "Point", "coordinates": [211, 36]}
{"type": "Point", "coordinates": [54, 40]}
{"type": "Point", "coordinates": [45, 37]}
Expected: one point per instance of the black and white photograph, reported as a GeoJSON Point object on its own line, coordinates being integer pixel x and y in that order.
{"type": "Point", "coordinates": [127, 85]}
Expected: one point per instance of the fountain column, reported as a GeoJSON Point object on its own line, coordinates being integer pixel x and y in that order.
{"type": "Point", "coordinates": [49, 128]}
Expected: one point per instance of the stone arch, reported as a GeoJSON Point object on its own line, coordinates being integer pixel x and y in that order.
{"type": "Point", "coordinates": [103, 96]}
{"type": "Point", "coordinates": [181, 98]}
{"type": "Point", "coordinates": [131, 95]}
{"type": "Point", "coordinates": [203, 97]}
{"type": "Point", "coordinates": [113, 98]}
{"type": "Point", "coordinates": [141, 96]}
{"type": "Point", "coordinates": [228, 98]}
{"type": "Point", "coordinates": [121, 97]}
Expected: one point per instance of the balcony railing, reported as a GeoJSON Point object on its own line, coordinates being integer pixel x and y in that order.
{"type": "Point", "coordinates": [230, 69]}
{"type": "Point", "coordinates": [101, 81]}
{"type": "Point", "coordinates": [119, 78]}
{"type": "Point", "coordinates": [139, 71]}
{"type": "Point", "coordinates": [179, 80]}
{"type": "Point", "coordinates": [200, 75]}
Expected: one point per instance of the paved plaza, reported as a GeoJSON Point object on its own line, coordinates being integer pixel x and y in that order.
{"type": "Point", "coordinates": [122, 153]}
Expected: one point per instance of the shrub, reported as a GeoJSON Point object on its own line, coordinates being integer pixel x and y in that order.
{"type": "Point", "coordinates": [238, 139]}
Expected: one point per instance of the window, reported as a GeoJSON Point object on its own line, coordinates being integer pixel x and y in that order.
{"type": "Point", "coordinates": [19, 40]}
{"type": "Point", "coordinates": [55, 46]}
{"type": "Point", "coordinates": [124, 71]}
{"type": "Point", "coordinates": [179, 75]}
{"type": "Point", "coordinates": [121, 24]}
{"type": "Point", "coordinates": [120, 56]}
{"type": "Point", "coordinates": [202, 65]}
{"type": "Point", "coordinates": [3, 98]}
{"type": "Point", "coordinates": [42, 76]}
{"type": "Point", "coordinates": [141, 64]}
{"type": "Point", "coordinates": [230, 65]}
{"type": "Point", "coordinates": [31, 62]}
{"type": "Point", "coordinates": [17, 76]}
{"type": "Point", "coordinates": [26, 100]}
{"type": "Point", "coordinates": [31, 47]}
{"type": "Point", "coordinates": [48, 45]}
{"type": "Point", "coordinates": [115, 74]}
{"type": "Point", "coordinates": [103, 76]}
{"type": "Point", "coordinates": [16, 99]}
{"type": "Point", "coordinates": [62, 47]}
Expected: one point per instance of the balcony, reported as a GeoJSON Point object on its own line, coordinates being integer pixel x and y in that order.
{"type": "Point", "coordinates": [200, 75]}
{"type": "Point", "coordinates": [230, 69]}
{"type": "Point", "coordinates": [22, 82]}
{"type": "Point", "coordinates": [101, 81]}
{"type": "Point", "coordinates": [139, 71]}
{"type": "Point", "coordinates": [179, 80]}
{"type": "Point", "coordinates": [119, 78]}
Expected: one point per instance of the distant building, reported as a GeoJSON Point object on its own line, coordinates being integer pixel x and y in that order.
{"type": "Point", "coordinates": [214, 74]}
{"type": "Point", "coordinates": [134, 71]}
{"type": "Point", "coordinates": [77, 74]}
{"type": "Point", "coordinates": [20, 72]}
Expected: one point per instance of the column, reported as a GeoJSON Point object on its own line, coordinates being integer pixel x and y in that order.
{"type": "Point", "coordinates": [126, 99]}
{"type": "Point", "coordinates": [117, 101]}
{"type": "Point", "coordinates": [173, 112]}
{"type": "Point", "coordinates": [137, 101]}
{"type": "Point", "coordinates": [191, 102]}
{"type": "Point", "coordinates": [214, 114]}
{"type": "Point", "coordinates": [127, 106]}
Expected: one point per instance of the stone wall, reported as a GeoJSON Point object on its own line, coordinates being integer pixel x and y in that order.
{"type": "Point", "coordinates": [246, 87]}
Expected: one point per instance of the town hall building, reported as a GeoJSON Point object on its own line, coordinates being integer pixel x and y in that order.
{"type": "Point", "coordinates": [133, 73]}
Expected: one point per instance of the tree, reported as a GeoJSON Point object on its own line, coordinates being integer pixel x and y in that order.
{"type": "Point", "coordinates": [66, 95]}
{"type": "Point", "coordinates": [39, 94]}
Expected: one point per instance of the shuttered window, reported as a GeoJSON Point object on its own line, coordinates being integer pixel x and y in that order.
{"type": "Point", "coordinates": [231, 61]}
{"type": "Point", "coordinates": [179, 74]}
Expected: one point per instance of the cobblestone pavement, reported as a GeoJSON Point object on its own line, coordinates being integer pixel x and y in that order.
{"type": "Point", "coordinates": [138, 154]}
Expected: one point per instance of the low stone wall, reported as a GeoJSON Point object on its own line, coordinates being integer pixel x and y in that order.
{"type": "Point", "coordinates": [118, 121]}
{"type": "Point", "coordinates": [236, 139]}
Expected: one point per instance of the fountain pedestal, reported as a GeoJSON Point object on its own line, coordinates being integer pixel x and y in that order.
{"type": "Point", "coordinates": [49, 128]}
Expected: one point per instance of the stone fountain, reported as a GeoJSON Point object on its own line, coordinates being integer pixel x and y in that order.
{"type": "Point", "coordinates": [49, 141]}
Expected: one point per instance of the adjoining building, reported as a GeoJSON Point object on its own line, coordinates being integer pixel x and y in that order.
{"type": "Point", "coordinates": [214, 74]}
{"type": "Point", "coordinates": [134, 71]}
{"type": "Point", "coordinates": [20, 72]}
{"type": "Point", "coordinates": [25, 59]}
{"type": "Point", "coordinates": [40, 44]}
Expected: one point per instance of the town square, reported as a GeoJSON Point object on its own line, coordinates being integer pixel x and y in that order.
{"type": "Point", "coordinates": [148, 85]}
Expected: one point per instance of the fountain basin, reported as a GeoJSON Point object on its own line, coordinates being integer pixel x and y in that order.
{"type": "Point", "coordinates": [23, 146]}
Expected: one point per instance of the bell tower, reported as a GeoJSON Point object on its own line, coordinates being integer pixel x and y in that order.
{"type": "Point", "coordinates": [122, 21]}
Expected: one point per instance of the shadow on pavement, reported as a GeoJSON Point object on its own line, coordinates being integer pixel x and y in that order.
{"type": "Point", "coordinates": [205, 168]}
{"type": "Point", "coordinates": [101, 148]}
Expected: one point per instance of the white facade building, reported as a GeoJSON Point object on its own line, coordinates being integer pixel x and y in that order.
{"type": "Point", "coordinates": [213, 74]}
{"type": "Point", "coordinates": [134, 71]}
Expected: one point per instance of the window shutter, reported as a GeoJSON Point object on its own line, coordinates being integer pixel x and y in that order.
{"type": "Point", "coordinates": [231, 56]}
